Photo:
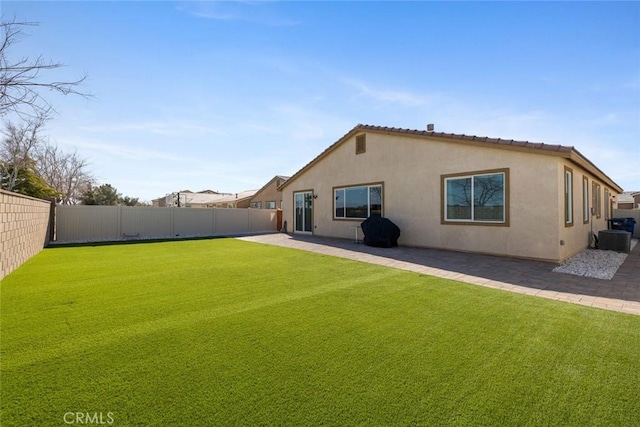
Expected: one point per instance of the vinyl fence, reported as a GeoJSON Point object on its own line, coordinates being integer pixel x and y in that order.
{"type": "Point", "coordinates": [81, 223]}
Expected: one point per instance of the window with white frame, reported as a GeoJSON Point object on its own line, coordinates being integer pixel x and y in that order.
{"type": "Point", "coordinates": [359, 202]}
{"type": "Point", "coordinates": [585, 200]}
{"type": "Point", "coordinates": [597, 200]}
{"type": "Point", "coordinates": [476, 197]}
{"type": "Point", "coordinates": [256, 205]}
{"type": "Point", "coordinates": [271, 204]}
{"type": "Point", "coordinates": [568, 196]}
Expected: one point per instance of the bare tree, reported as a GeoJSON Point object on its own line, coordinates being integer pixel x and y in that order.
{"type": "Point", "coordinates": [489, 190]}
{"type": "Point", "coordinates": [20, 80]}
{"type": "Point", "coordinates": [65, 172]}
{"type": "Point", "coordinates": [18, 147]}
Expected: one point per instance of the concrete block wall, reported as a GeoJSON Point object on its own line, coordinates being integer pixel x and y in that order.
{"type": "Point", "coordinates": [23, 229]}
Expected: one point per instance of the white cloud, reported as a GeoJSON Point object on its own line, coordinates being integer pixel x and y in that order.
{"type": "Point", "coordinates": [403, 98]}
{"type": "Point", "coordinates": [302, 123]}
{"type": "Point", "coordinates": [124, 151]}
{"type": "Point", "coordinates": [168, 128]}
{"type": "Point", "coordinates": [255, 12]}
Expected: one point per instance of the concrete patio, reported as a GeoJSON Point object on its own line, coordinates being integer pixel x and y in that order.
{"type": "Point", "coordinates": [535, 278]}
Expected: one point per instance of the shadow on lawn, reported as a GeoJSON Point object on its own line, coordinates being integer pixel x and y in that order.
{"type": "Point", "coordinates": [531, 274]}
{"type": "Point", "coordinates": [134, 241]}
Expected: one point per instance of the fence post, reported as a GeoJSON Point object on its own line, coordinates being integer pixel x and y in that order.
{"type": "Point", "coordinates": [279, 219]}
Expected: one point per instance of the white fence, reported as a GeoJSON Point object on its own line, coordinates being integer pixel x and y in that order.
{"type": "Point", "coordinates": [81, 223]}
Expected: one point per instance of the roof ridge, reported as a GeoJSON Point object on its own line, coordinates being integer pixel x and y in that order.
{"type": "Point", "coordinates": [501, 141]}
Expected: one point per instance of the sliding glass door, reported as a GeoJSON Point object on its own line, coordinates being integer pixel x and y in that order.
{"type": "Point", "coordinates": [304, 212]}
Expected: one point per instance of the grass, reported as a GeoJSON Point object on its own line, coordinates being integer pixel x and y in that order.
{"type": "Point", "coordinates": [224, 332]}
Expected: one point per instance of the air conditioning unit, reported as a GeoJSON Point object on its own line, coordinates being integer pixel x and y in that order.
{"type": "Point", "coordinates": [614, 240]}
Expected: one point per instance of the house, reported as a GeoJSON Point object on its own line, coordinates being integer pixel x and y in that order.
{"type": "Point", "coordinates": [236, 200]}
{"type": "Point", "coordinates": [189, 199]}
{"type": "Point", "coordinates": [206, 199]}
{"type": "Point", "coordinates": [170, 199]}
{"type": "Point", "coordinates": [628, 200]}
{"type": "Point", "coordinates": [452, 191]}
{"type": "Point", "coordinates": [268, 197]}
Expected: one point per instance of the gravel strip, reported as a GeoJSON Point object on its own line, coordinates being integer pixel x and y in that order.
{"type": "Point", "coordinates": [594, 263]}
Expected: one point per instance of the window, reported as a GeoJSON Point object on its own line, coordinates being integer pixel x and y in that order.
{"type": "Point", "coordinates": [256, 205]}
{"type": "Point", "coordinates": [479, 197]}
{"type": "Point", "coordinates": [271, 204]}
{"type": "Point", "coordinates": [358, 202]}
{"type": "Point", "coordinates": [568, 197]}
{"type": "Point", "coordinates": [596, 200]}
{"type": "Point", "coordinates": [606, 203]}
{"type": "Point", "coordinates": [361, 144]}
{"type": "Point", "coordinates": [585, 200]}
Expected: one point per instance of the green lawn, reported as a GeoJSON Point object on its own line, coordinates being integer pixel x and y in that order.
{"type": "Point", "coordinates": [225, 332]}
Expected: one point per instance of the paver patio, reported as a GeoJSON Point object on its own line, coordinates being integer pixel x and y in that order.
{"type": "Point", "coordinates": [622, 293]}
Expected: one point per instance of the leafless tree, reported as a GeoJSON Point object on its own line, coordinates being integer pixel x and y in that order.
{"type": "Point", "coordinates": [65, 172]}
{"type": "Point", "coordinates": [18, 147]}
{"type": "Point", "coordinates": [20, 79]}
{"type": "Point", "coordinates": [487, 190]}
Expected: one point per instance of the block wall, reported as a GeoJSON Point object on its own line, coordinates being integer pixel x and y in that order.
{"type": "Point", "coordinates": [23, 229]}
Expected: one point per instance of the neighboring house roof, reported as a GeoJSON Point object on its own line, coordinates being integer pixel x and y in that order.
{"type": "Point", "coordinates": [237, 197]}
{"type": "Point", "coordinates": [211, 192]}
{"type": "Point", "coordinates": [201, 198]}
{"type": "Point", "coordinates": [567, 152]}
{"type": "Point", "coordinates": [625, 198]}
{"type": "Point", "coordinates": [275, 178]}
{"type": "Point", "coordinates": [207, 199]}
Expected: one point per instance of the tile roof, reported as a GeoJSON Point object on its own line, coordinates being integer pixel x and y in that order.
{"type": "Point", "coordinates": [568, 152]}
{"type": "Point", "coordinates": [457, 136]}
{"type": "Point", "coordinates": [205, 198]}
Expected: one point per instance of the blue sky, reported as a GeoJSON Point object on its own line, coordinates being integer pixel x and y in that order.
{"type": "Point", "coordinates": [225, 95]}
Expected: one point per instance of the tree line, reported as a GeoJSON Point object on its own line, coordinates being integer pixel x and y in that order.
{"type": "Point", "coordinates": [29, 163]}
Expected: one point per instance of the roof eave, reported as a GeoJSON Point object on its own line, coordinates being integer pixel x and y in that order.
{"type": "Point", "coordinates": [567, 152]}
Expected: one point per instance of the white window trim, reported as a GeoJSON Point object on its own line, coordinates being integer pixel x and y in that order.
{"type": "Point", "coordinates": [586, 214]}
{"type": "Point", "coordinates": [568, 197]}
{"type": "Point", "coordinates": [368, 187]}
{"type": "Point", "coordinates": [473, 220]}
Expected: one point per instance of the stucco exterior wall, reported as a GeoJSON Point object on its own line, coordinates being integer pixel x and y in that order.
{"type": "Point", "coordinates": [410, 170]}
{"type": "Point", "coordinates": [576, 237]}
{"type": "Point", "coordinates": [269, 193]}
{"type": "Point", "coordinates": [23, 229]}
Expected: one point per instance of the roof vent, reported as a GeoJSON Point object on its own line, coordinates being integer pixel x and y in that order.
{"type": "Point", "coordinates": [430, 127]}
